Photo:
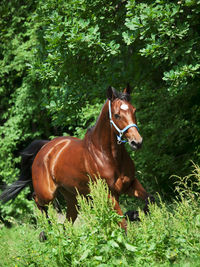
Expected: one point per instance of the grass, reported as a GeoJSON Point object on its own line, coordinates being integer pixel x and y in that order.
{"type": "Point", "coordinates": [168, 236]}
{"type": "Point", "coordinates": [16, 243]}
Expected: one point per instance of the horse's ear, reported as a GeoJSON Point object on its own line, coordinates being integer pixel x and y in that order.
{"type": "Point", "coordinates": [111, 93]}
{"type": "Point", "coordinates": [127, 90]}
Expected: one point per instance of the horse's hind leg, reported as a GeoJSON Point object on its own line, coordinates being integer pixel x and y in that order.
{"type": "Point", "coordinates": [43, 183]}
{"type": "Point", "coordinates": [44, 193]}
{"type": "Point", "coordinates": [41, 207]}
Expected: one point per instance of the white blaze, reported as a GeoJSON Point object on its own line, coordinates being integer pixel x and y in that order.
{"type": "Point", "coordinates": [124, 107]}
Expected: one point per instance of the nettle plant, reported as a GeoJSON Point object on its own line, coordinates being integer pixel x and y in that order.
{"type": "Point", "coordinates": [95, 238]}
{"type": "Point", "coordinates": [165, 236]}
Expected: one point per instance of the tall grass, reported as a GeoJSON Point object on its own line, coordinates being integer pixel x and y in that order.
{"type": "Point", "coordinates": [169, 235]}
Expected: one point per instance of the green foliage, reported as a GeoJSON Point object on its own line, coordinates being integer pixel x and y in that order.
{"type": "Point", "coordinates": [169, 235]}
{"type": "Point", "coordinates": [165, 35]}
{"type": "Point", "coordinates": [89, 114]}
{"type": "Point", "coordinates": [189, 186]}
{"type": "Point", "coordinates": [93, 239]}
{"type": "Point", "coordinates": [77, 43]}
{"type": "Point", "coordinates": [21, 117]}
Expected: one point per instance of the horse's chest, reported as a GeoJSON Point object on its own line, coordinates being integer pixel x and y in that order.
{"type": "Point", "coordinates": [97, 164]}
{"type": "Point", "coordinates": [122, 184]}
{"type": "Point", "coordinates": [109, 170]}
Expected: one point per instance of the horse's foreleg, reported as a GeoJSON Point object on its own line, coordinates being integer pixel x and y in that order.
{"type": "Point", "coordinates": [137, 190]}
{"type": "Point", "coordinates": [72, 209]}
{"type": "Point", "coordinates": [115, 201]}
{"type": "Point", "coordinates": [71, 203]}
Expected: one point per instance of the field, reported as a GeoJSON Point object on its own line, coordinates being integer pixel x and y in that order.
{"type": "Point", "coordinates": [168, 236]}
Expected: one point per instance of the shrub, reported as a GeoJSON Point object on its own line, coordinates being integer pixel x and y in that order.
{"type": "Point", "coordinates": [169, 235]}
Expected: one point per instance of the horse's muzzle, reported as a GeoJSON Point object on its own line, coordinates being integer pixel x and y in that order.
{"type": "Point", "coordinates": [135, 145]}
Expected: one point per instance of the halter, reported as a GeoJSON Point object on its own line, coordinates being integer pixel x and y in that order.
{"type": "Point", "coordinates": [121, 132]}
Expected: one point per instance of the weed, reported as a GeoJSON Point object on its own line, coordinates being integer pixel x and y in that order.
{"type": "Point", "coordinates": [167, 235]}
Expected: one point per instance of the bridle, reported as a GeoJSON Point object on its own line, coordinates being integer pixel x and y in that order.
{"type": "Point", "coordinates": [121, 132]}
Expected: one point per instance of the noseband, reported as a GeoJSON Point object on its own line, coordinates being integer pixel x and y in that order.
{"type": "Point", "coordinates": [121, 132]}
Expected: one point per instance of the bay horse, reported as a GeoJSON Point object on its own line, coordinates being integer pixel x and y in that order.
{"type": "Point", "coordinates": [65, 164]}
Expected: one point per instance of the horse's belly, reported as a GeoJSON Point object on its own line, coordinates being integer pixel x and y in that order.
{"type": "Point", "coordinates": [71, 178]}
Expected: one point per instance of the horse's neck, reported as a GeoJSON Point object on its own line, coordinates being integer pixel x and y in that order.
{"type": "Point", "coordinates": [103, 136]}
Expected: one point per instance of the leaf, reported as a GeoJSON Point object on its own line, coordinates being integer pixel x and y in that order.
{"type": "Point", "coordinates": [113, 244]}
{"type": "Point", "coordinates": [85, 254]}
{"type": "Point", "coordinates": [98, 258]}
{"type": "Point", "coordinates": [133, 24]}
{"type": "Point", "coordinates": [130, 247]}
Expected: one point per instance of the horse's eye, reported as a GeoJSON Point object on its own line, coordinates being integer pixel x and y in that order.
{"type": "Point", "coordinates": [117, 116]}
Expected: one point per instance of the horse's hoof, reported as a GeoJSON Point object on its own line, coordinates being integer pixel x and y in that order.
{"type": "Point", "coordinates": [42, 236]}
{"type": "Point", "coordinates": [133, 215]}
{"type": "Point", "coordinates": [150, 199]}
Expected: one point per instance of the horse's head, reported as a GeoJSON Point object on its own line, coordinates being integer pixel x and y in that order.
{"type": "Point", "coordinates": [122, 117]}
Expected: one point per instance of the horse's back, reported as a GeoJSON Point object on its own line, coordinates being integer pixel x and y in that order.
{"type": "Point", "coordinates": [51, 152]}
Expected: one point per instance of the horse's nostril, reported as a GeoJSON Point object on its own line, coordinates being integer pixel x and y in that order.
{"type": "Point", "coordinates": [136, 144]}
{"type": "Point", "coordinates": [133, 143]}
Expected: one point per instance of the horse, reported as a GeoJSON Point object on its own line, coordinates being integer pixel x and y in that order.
{"type": "Point", "coordinates": [64, 164]}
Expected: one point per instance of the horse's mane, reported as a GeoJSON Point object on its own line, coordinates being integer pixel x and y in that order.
{"type": "Point", "coordinates": [119, 95]}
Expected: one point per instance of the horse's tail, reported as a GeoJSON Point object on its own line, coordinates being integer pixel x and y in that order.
{"type": "Point", "coordinates": [25, 178]}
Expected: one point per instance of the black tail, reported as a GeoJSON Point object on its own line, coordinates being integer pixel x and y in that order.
{"type": "Point", "coordinates": [25, 178]}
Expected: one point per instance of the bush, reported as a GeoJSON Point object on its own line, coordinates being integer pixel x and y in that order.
{"type": "Point", "coordinates": [169, 235]}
